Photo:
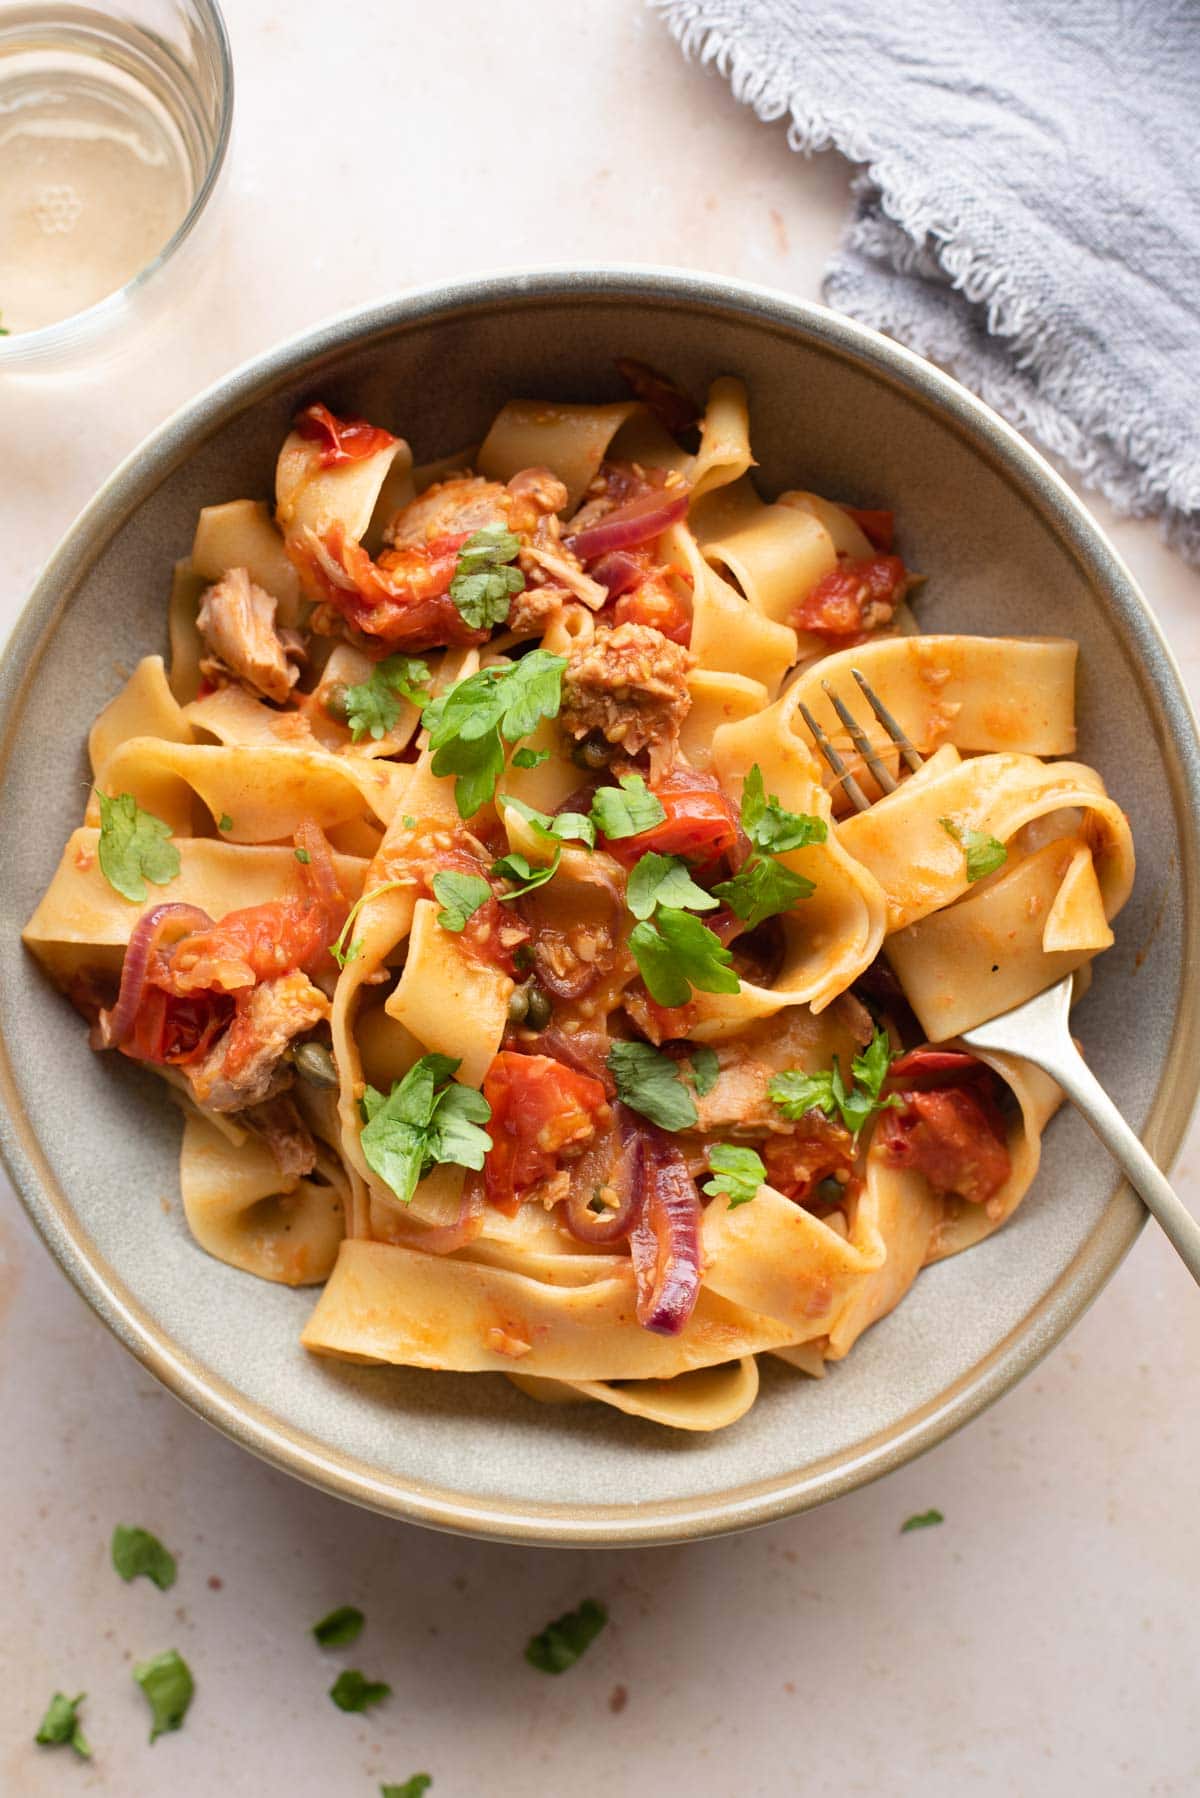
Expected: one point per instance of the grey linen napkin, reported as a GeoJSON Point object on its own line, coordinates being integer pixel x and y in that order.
{"type": "Point", "coordinates": [1028, 214]}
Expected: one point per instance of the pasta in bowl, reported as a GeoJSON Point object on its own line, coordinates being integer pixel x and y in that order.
{"type": "Point", "coordinates": [521, 973]}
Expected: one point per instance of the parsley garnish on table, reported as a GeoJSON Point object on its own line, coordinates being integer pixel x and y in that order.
{"type": "Point", "coordinates": [427, 1118]}
{"type": "Point", "coordinates": [167, 1681]}
{"type": "Point", "coordinates": [353, 1691]}
{"type": "Point", "coordinates": [484, 581]}
{"type": "Point", "coordinates": [737, 1173]}
{"type": "Point", "coordinates": [135, 1551]}
{"type": "Point", "coordinates": [373, 706]}
{"type": "Point", "coordinates": [796, 1092]}
{"type": "Point", "coordinates": [561, 1643]}
{"type": "Point", "coordinates": [983, 854]}
{"type": "Point", "coordinates": [415, 1787]}
{"type": "Point", "coordinates": [648, 1081]}
{"type": "Point", "coordinates": [340, 1627]}
{"type": "Point", "coordinates": [60, 1727]}
{"type": "Point", "coordinates": [763, 887]}
{"type": "Point", "coordinates": [134, 847]}
{"type": "Point", "coordinates": [922, 1521]}
{"type": "Point", "coordinates": [470, 724]}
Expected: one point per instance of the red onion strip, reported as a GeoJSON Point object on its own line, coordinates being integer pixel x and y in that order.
{"type": "Point", "coordinates": [618, 572]}
{"type": "Point", "coordinates": [629, 526]}
{"type": "Point", "coordinates": [665, 1245]}
{"type": "Point", "coordinates": [114, 1026]}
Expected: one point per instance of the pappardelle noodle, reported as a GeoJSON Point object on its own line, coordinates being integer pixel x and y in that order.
{"type": "Point", "coordinates": [522, 974]}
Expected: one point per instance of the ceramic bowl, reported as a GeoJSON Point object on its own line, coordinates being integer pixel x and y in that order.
{"type": "Point", "coordinates": [1007, 548]}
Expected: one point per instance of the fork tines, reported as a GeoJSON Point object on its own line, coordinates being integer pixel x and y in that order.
{"type": "Point", "coordinates": [858, 736]}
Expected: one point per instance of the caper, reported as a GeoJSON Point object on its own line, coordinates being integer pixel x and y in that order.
{"type": "Point", "coordinates": [539, 1010]}
{"type": "Point", "coordinates": [315, 1064]}
{"type": "Point", "coordinates": [335, 701]}
{"type": "Point", "coordinates": [592, 753]}
{"type": "Point", "coordinates": [518, 1004]}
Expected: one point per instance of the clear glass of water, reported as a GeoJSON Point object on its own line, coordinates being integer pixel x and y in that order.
{"type": "Point", "coordinates": [114, 125]}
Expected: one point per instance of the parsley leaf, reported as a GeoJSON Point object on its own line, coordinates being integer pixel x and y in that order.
{"type": "Point", "coordinates": [374, 705]}
{"type": "Point", "coordinates": [422, 1121]}
{"type": "Point", "coordinates": [302, 855]}
{"type": "Point", "coordinates": [353, 1691]}
{"type": "Point", "coordinates": [648, 1081]}
{"type": "Point", "coordinates": [761, 888]}
{"type": "Point", "coordinates": [706, 1068]}
{"type": "Point", "coordinates": [338, 948]}
{"type": "Point", "coordinates": [460, 896]}
{"type": "Point", "coordinates": [517, 867]}
{"type": "Point", "coordinates": [483, 585]}
{"type": "Point", "coordinates": [561, 1643]}
{"type": "Point", "coordinates": [340, 1628]}
{"type": "Point", "coordinates": [664, 880]}
{"type": "Point", "coordinates": [677, 952]}
{"type": "Point", "coordinates": [769, 826]}
{"type": "Point", "coordinates": [626, 810]}
{"type": "Point", "coordinates": [527, 758]}
{"type": "Point", "coordinates": [984, 854]}
{"type": "Point", "coordinates": [922, 1521]}
{"type": "Point", "coordinates": [136, 1551]}
{"type": "Point", "coordinates": [739, 1173]}
{"type": "Point", "coordinates": [469, 725]}
{"type": "Point", "coordinates": [167, 1681]}
{"type": "Point", "coordinates": [224, 822]}
{"type": "Point", "coordinates": [564, 827]}
{"type": "Point", "coordinates": [415, 1787]}
{"type": "Point", "coordinates": [60, 1725]}
{"type": "Point", "coordinates": [795, 1092]}
{"type": "Point", "coordinates": [134, 847]}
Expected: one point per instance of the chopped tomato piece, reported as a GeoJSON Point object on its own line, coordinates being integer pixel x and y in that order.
{"type": "Point", "coordinates": [701, 824]}
{"type": "Point", "coordinates": [661, 1023]}
{"type": "Point", "coordinates": [818, 1150]}
{"type": "Point", "coordinates": [493, 933]}
{"type": "Point", "coordinates": [403, 600]}
{"type": "Point", "coordinates": [540, 1110]}
{"type": "Point", "coordinates": [655, 602]}
{"type": "Point", "coordinates": [876, 525]}
{"type": "Point", "coordinates": [852, 600]}
{"type": "Point", "coordinates": [341, 439]}
{"type": "Point", "coordinates": [170, 1029]}
{"type": "Point", "coordinates": [949, 1125]}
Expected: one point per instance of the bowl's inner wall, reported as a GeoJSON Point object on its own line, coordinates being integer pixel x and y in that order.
{"type": "Point", "coordinates": [996, 565]}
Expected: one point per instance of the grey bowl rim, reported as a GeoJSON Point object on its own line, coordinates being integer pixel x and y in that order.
{"type": "Point", "coordinates": [757, 1502]}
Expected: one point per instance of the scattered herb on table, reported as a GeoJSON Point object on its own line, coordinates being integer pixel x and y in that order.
{"type": "Point", "coordinates": [60, 1727]}
{"type": "Point", "coordinates": [923, 1520]}
{"type": "Point", "coordinates": [561, 1643]}
{"type": "Point", "coordinates": [411, 1788]}
{"type": "Point", "coordinates": [340, 1628]}
{"type": "Point", "coordinates": [167, 1681]}
{"type": "Point", "coordinates": [353, 1691]}
{"type": "Point", "coordinates": [135, 1551]}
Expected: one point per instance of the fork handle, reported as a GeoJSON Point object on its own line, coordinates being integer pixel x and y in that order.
{"type": "Point", "coordinates": [1143, 1173]}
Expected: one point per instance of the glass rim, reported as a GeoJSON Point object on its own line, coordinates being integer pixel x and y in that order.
{"type": "Point", "coordinates": [31, 346]}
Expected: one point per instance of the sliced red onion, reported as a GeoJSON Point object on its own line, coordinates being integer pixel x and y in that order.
{"type": "Point", "coordinates": [585, 1051]}
{"type": "Point", "coordinates": [665, 1244]}
{"type": "Point", "coordinates": [612, 1160]}
{"type": "Point", "coordinates": [114, 1026]}
{"type": "Point", "coordinates": [619, 571]}
{"type": "Point", "coordinates": [629, 526]}
{"type": "Point", "coordinates": [924, 1069]}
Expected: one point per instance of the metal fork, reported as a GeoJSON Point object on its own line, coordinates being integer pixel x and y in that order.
{"type": "Point", "coordinates": [1039, 1030]}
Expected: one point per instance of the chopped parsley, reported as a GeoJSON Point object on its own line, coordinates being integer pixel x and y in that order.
{"type": "Point", "coordinates": [561, 1643]}
{"type": "Point", "coordinates": [527, 877]}
{"type": "Point", "coordinates": [706, 1068]}
{"type": "Point", "coordinates": [562, 827]}
{"type": "Point", "coordinates": [761, 888]}
{"type": "Point", "coordinates": [302, 855]}
{"type": "Point", "coordinates": [60, 1726]}
{"type": "Point", "coordinates": [469, 725]}
{"type": "Point", "coordinates": [676, 953]}
{"type": "Point", "coordinates": [738, 1173]}
{"type": "Point", "coordinates": [338, 948]}
{"type": "Point", "coordinates": [769, 826]}
{"type": "Point", "coordinates": [796, 1092]}
{"type": "Point", "coordinates": [415, 1787]}
{"type": "Point", "coordinates": [224, 822]}
{"type": "Point", "coordinates": [460, 897]}
{"type": "Point", "coordinates": [984, 854]}
{"type": "Point", "coordinates": [484, 580]}
{"type": "Point", "coordinates": [167, 1681]}
{"type": "Point", "coordinates": [136, 1551]}
{"type": "Point", "coordinates": [340, 1628]}
{"type": "Point", "coordinates": [427, 1118]}
{"type": "Point", "coordinates": [525, 758]}
{"type": "Point", "coordinates": [626, 810]}
{"type": "Point", "coordinates": [664, 880]}
{"type": "Point", "coordinates": [353, 1691]}
{"type": "Point", "coordinates": [134, 847]}
{"type": "Point", "coordinates": [373, 706]}
{"type": "Point", "coordinates": [648, 1081]}
{"type": "Point", "coordinates": [923, 1520]}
